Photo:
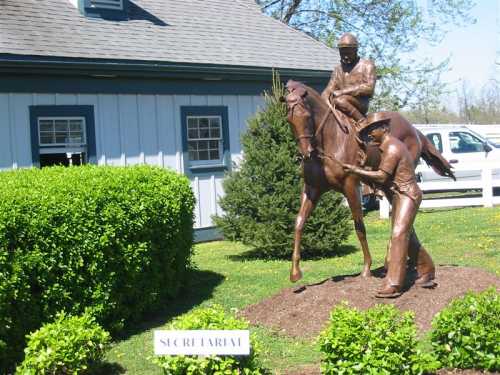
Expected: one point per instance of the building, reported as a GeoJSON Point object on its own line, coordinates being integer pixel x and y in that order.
{"type": "Point", "coordinates": [162, 82]}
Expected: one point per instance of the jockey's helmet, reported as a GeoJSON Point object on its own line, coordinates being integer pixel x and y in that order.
{"type": "Point", "coordinates": [347, 40]}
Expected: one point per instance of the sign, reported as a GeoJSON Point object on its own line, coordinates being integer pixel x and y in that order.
{"type": "Point", "coordinates": [202, 342]}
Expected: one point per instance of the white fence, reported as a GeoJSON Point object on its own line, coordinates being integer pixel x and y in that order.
{"type": "Point", "coordinates": [486, 184]}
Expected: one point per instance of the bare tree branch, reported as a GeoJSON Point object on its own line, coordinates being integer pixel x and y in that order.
{"type": "Point", "coordinates": [291, 11]}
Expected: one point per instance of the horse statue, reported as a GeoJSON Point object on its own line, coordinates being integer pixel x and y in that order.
{"type": "Point", "coordinates": [325, 142]}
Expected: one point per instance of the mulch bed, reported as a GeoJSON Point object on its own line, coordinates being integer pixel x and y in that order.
{"type": "Point", "coordinates": [303, 310]}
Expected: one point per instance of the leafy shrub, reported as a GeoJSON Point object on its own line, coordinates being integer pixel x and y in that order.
{"type": "Point", "coordinates": [69, 345]}
{"type": "Point", "coordinates": [466, 334]}
{"type": "Point", "coordinates": [212, 318]}
{"type": "Point", "coordinates": [380, 340]}
{"type": "Point", "coordinates": [262, 196]}
{"type": "Point", "coordinates": [115, 240]}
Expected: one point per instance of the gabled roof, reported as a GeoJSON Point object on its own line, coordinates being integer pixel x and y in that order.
{"type": "Point", "coordinates": [222, 32]}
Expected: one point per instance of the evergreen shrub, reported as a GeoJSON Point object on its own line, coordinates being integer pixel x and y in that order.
{"type": "Point", "coordinates": [114, 240]}
{"type": "Point", "coordinates": [262, 194]}
{"type": "Point", "coordinates": [466, 334]}
{"type": "Point", "coordinates": [380, 340]}
{"type": "Point", "coordinates": [69, 345]}
{"type": "Point", "coordinates": [211, 318]}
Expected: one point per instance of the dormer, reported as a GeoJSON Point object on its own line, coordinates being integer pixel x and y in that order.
{"type": "Point", "coordinates": [106, 9]}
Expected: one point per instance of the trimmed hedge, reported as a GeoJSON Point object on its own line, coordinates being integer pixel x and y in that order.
{"type": "Point", "coordinates": [211, 318]}
{"type": "Point", "coordinates": [69, 345]}
{"type": "Point", "coordinates": [466, 334]}
{"type": "Point", "coordinates": [114, 240]}
{"type": "Point", "coordinates": [380, 340]}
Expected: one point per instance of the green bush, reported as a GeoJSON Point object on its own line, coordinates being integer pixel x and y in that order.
{"type": "Point", "coordinates": [69, 345]}
{"type": "Point", "coordinates": [380, 340]}
{"type": "Point", "coordinates": [263, 194]}
{"type": "Point", "coordinates": [466, 334]}
{"type": "Point", "coordinates": [114, 240]}
{"type": "Point", "coordinates": [212, 318]}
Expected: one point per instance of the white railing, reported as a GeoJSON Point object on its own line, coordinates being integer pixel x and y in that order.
{"type": "Point", "coordinates": [486, 184]}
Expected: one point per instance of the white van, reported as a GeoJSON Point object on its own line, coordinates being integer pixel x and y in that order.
{"type": "Point", "coordinates": [466, 151]}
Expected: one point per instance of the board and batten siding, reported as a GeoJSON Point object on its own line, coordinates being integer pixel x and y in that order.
{"type": "Point", "coordinates": [132, 129]}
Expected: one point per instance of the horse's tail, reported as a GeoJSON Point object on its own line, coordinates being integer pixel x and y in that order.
{"type": "Point", "coordinates": [434, 159]}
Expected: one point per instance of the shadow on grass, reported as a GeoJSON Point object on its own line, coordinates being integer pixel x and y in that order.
{"type": "Point", "coordinates": [259, 254]}
{"type": "Point", "coordinates": [199, 287]}
{"type": "Point", "coordinates": [378, 273]}
{"type": "Point", "coordinates": [107, 368]}
{"type": "Point", "coordinates": [433, 210]}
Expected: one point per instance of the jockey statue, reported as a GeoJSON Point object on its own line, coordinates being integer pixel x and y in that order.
{"type": "Point", "coordinates": [352, 83]}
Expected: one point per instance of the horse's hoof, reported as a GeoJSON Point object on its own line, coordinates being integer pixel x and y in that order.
{"type": "Point", "coordinates": [366, 273]}
{"type": "Point", "coordinates": [426, 281]}
{"type": "Point", "coordinates": [295, 276]}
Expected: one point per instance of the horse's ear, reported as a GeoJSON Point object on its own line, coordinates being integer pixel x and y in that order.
{"type": "Point", "coordinates": [301, 91]}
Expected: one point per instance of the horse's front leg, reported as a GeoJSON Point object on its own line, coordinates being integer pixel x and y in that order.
{"type": "Point", "coordinates": [353, 198]}
{"type": "Point", "coordinates": [308, 200]}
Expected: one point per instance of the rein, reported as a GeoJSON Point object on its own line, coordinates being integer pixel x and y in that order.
{"type": "Point", "coordinates": [320, 152]}
{"type": "Point", "coordinates": [321, 125]}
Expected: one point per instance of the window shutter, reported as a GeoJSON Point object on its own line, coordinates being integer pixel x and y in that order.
{"type": "Point", "coordinates": [107, 4]}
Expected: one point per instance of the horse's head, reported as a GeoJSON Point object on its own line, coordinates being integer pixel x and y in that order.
{"type": "Point", "coordinates": [300, 117]}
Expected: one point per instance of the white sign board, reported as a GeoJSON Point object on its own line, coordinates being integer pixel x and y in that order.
{"type": "Point", "coordinates": [202, 342]}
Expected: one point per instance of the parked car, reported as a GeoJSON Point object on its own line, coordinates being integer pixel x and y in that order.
{"type": "Point", "coordinates": [489, 132]}
{"type": "Point", "coordinates": [465, 149]}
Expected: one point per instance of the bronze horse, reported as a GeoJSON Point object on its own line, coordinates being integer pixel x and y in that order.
{"type": "Point", "coordinates": [324, 144]}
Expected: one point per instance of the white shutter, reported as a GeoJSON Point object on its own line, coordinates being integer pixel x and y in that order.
{"type": "Point", "coordinates": [107, 4]}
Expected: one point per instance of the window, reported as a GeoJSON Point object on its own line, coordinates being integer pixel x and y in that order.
{"type": "Point", "coordinates": [205, 136]}
{"type": "Point", "coordinates": [105, 9]}
{"type": "Point", "coordinates": [62, 135]}
{"type": "Point", "coordinates": [61, 140]}
{"type": "Point", "coordinates": [60, 131]}
{"type": "Point", "coordinates": [436, 140]}
{"type": "Point", "coordinates": [463, 142]}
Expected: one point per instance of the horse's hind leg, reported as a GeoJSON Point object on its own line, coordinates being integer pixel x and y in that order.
{"type": "Point", "coordinates": [421, 259]}
{"type": "Point", "coordinates": [308, 200]}
{"type": "Point", "coordinates": [353, 198]}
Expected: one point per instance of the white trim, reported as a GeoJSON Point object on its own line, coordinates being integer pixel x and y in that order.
{"type": "Point", "coordinates": [62, 150]}
{"type": "Point", "coordinates": [106, 4]}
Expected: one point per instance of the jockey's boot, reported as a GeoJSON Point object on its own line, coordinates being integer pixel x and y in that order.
{"type": "Point", "coordinates": [389, 291]}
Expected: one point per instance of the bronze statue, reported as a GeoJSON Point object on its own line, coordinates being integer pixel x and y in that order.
{"type": "Point", "coordinates": [396, 177]}
{"type": "Point", "coordinates": [324, 145]}
{"type": "Point", "coordinates": [352, 83]}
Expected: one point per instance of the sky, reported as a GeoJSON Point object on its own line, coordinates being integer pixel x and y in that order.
{"type": "Point", "coordinates": [472, 49]}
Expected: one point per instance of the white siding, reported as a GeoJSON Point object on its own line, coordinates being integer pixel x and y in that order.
{"type": "Point", "coordinates": [131, 129]}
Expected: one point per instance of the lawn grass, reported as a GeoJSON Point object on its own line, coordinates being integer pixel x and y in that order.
{"type": "Point", "coordinates": [227, 274]}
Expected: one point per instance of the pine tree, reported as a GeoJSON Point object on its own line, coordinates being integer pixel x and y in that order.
{"type": "Point", "coordinates": [262, 194]}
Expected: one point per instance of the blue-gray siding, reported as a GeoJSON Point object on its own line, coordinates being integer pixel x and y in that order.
{"type": "Point", "coordinates": [131, 129]}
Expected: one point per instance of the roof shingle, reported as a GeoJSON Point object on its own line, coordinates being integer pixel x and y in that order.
{"type": "Point", "coordinates": [224, 32]}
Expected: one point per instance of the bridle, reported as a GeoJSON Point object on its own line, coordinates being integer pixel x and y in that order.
{"type": "Point", "coordinates": [320, 127]}
{"type": "Point", "coordinates": [313, 137]}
